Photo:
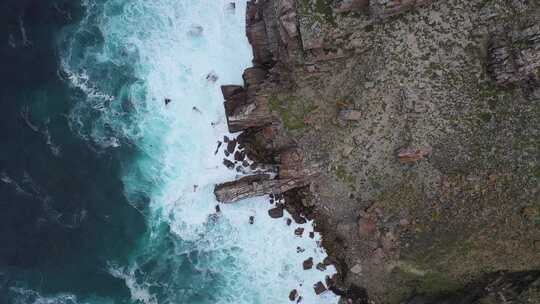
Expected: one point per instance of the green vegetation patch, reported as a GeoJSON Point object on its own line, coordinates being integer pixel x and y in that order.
{"type": "Point", "coordinates": [292, 110]}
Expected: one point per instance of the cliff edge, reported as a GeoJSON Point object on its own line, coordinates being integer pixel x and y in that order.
{"type": "Point", "coordinates": [410, 131]}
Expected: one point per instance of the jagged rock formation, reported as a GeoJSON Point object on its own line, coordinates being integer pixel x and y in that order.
{"type": "Point", "coordinates": [272, 32]}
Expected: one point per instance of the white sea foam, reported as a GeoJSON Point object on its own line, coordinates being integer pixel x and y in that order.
{"type": "Point", "coordinates": [172, 47]}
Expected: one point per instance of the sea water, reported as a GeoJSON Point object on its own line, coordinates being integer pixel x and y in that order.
{"type": "Point", "coordinates": [144, 80]}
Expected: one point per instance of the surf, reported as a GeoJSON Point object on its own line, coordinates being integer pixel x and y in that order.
{"type": "Point", "coordinates": [150, 74]}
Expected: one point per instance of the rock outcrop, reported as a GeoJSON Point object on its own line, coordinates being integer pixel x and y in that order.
{"type": "Point", "coordinates": [273, 34]}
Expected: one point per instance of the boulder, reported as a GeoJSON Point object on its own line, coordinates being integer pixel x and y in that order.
{"type": "Point", "coordinates": [276, 212]}
{"type": "Point", "coordinates": [308, 264]}
{"type": "Point", "coordinates": [319, 288]}
{"type": "Point", "coordinates": [293, 295]}
{"type": "Point", "coordinates": [231, 146]}
{"type": "Point", "coordinates": [229, 164]}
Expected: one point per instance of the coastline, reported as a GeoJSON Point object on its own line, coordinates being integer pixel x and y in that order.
{"type": "Point", "coordinates": [366, 237]}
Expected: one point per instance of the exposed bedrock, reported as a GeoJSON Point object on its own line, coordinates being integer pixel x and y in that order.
{"type": "Point", "coordinates": [408, 130]}
{"type": "Point", "coordinates": [254, 185]}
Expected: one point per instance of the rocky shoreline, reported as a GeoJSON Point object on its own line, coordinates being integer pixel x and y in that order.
{"type": "Point", "coordinates": [303, 114]}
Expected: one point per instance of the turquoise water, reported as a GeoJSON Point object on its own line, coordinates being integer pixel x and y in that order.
{"type": "Point", "coordinates": [120, 61]}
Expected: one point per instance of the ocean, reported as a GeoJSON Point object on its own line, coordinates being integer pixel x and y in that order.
{"type": "Point", "coordinates": [111, 112]}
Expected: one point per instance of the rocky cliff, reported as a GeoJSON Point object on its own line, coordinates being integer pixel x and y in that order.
{"type": "Point", "coordinates": [410, 131]}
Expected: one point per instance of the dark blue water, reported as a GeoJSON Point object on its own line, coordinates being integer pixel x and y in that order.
{"type": "Point", "coordinates": [63, 214]}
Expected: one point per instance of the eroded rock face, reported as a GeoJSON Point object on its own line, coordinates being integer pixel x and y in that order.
{"type": "Point", "coordinates": [254, 185]}
{"type": "Point", "coordinates": [245, 111]}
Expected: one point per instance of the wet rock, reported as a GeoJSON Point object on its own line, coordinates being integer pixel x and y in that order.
{"type": "Point", "coordinates": [319, 288]}
{"type": "Point", "coordinates": [289, 222]}
{"type": "Point", "coordinates": [298, 218]}
{"type": "Point", "coordinates": [308, 264]}
{"type": "Point", "coordinates": [331, 280]}
{"type": "Point", "coordinates": [300, 250]}
{"type": "Point", "coordinates": [350, 115]}
{"type": "Point", "coordinates": [293, 294]}
{"type": "Point", "coordinates": [239, 156]}
{"type": "Point", "coordinates": [167, 101]}
{"type": "Point", "coordinates": [251, 220]}
{"type": "Point", "coordinates": [219, 143]}
{"type": "Point", "coordinates": [321, 267]}
{"type": "Point", "coordinates": [231, 146]}
{"type": "Point", "coordinates": [299, 231]}
{"type": "Point", "coordinates": [254, 185]}
{"type": "Point", "coordinates": [229, 164]}
{"type": "Point", "coordinates": [276, 212]}
{"type": "Point", "coordinates": [312, 234]}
